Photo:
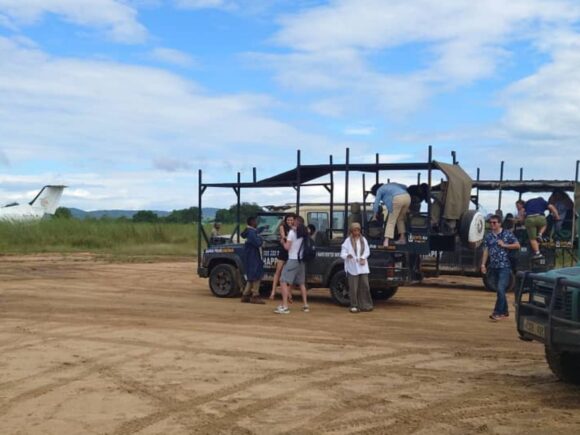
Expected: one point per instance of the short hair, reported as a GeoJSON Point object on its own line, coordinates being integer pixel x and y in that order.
{"type": "Point", "coordinates": [521, 202]}
{"type": "Point", "coordinates": [375, 188]}
{"type": "Point", "coordinates": [311, 227]}
{"type": "Point", "coordinates": [494, 217]}
{"type": "Point", "coordinates": [251, 219]}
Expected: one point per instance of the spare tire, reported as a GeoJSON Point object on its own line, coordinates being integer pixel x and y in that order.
{"type": "Point", "coordinates": [472, 228]}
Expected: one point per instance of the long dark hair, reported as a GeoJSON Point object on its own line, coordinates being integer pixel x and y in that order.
{"type": "Point", "coordinates": [287, 227]}
{"type": "Point", "coordinates": [302, 231]}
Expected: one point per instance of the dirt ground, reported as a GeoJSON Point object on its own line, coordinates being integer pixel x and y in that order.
{"type": "Point", "coordinates": [93, 347]}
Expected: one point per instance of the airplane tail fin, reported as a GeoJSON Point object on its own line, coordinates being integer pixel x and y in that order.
{"type": "Point", "coordinates": [48, 198]}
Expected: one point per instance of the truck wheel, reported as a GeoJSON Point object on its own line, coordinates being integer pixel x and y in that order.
{"type": "Point", "coordinates": [472, 228]}
{"type": "Point", "coordinates": [223, 281]}
{"type": "Point", "coordinates": [565, 365]}
{"type": "Point", "coordinates": [383, 294]}
{"type": "Point", "coordinates": [490, 288]}
{"type": "Point", "coordinates": [339, 288]}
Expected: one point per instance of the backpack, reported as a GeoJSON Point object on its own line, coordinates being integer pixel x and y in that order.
{"type": "Point", "coordinates": [308, 250]}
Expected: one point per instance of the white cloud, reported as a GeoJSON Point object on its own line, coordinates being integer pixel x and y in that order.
{"type": "Point", "coordinates": [115, 17]}
{"type": "Point", "coordinates": [172, 56]}
{"type": "Point", "coordinates": [123, 121]}
{"type": "Point", "coordinates": [544, 108]}
{"type": "Point", "coordinates": [335, 49]}
{"type": "Point", "coordinates": [359, 130]}
{"type": "Point", "coordinates": [203, 4]}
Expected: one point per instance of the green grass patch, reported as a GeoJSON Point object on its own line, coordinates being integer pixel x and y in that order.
{"type": "Point", "coordinates": [120, 238]}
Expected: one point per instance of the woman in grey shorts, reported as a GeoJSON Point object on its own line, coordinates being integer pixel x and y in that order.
{"type": "Point", "coordinates": [355, 251]}
{"type": "Point", "coordinates": [294, 271]}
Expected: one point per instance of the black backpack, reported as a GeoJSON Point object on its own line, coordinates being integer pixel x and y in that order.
{"type": "Point", "coordinates": [308, 250]}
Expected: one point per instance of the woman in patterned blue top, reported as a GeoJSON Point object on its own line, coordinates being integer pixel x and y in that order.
{"type": "Point", "coordinates": [497, 243]}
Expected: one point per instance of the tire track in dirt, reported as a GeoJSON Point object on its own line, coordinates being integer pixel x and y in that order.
{"type": "Point", "coordinates": [92, 368]}
{"type": "Point", "coordinates": [139, 424]}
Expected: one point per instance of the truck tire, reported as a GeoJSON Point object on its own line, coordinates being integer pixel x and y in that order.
{"type": "Point", "coordinates": [223, 281]}
{"type": "Point", "coordinates": [383, 294]}
{"type": "Point", "coordinates": [339, 288]}
{"type": "Point", "coordinates": [565, 365]}
{"type": "Point", "coordinates": [472, 228]}
{"type": "Point", "coordinates": [490, 288]}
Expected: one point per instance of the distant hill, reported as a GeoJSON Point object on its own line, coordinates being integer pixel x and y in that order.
{"type": "Point", "coordinates": [208, 213]}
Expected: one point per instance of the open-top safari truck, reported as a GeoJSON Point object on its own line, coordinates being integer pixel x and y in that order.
{"type": "Point", "coordinates": [558, 249]}
{"type": "Point", "coordinates": [437, 226]}
{"type": "Point", "coordinates": [548, 311]}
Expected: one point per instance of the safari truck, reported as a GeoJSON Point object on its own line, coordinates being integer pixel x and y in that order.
{"type": "Point", "coordinates": [431, 227]}
{"type": "Point", "coordinates": [548, 311]}
{"type": "Point", "coordinates": [557, 249]}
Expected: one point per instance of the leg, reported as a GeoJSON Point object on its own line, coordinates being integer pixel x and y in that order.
{"type": "Point", "coordinates": [275, 281]}
{"type": "Point", "coordinates": [533, 224]}
{"type": "Point", "coordinates": [247, 293]}
{"type": "Point", "coordinates": [390, 227]}
{"type": "Point", "coordinates": [255, 297]}
{"type": "Point", "coordinates": [503, 280]}
{"type": "Point", "coordinates": [284, 287]}
{"type": "Point", "coordinates": [353, 282]}
{"type": "Point", "coordinates": [364, 293]}
{"type": "Point", "coordinates": [492, 278]}
{"type": "Point", "coordinates": [304, 297]}
{"type": "Point", "coordinates": [403, 201]}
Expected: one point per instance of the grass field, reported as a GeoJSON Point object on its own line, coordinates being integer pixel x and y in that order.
{"type": "Point", "coordinates": [116, 238]}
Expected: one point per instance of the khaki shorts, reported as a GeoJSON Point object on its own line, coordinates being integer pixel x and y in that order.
{"type": "Point", "coordinates": [534, 224]}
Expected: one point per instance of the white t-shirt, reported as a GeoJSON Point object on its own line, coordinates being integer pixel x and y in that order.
{"type": "Point", "coordinates": [296, 244]}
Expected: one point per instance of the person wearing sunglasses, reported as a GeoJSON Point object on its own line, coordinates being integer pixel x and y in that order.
{"type": "Point", "coordinates": [497, 243]}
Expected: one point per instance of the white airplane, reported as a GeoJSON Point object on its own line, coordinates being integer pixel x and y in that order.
{"type": "Point", "coordinates": [46, 202]}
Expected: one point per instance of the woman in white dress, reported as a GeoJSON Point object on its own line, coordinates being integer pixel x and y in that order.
{"type": "Point", "coordinates": [355, 252]}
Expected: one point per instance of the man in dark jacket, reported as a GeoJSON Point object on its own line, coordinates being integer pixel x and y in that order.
{"type": "Point", "coordinates": [254, 266]}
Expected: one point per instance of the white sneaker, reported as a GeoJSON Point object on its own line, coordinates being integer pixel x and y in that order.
{"type": "Point", "coordinates": [306, 308]}
{"type": "Point", "coordinates": [354, 310]}
{"type": "Point", "coordinates": [282, 310]}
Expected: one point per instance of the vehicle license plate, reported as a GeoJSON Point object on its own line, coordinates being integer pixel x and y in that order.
{"type": "Point", "coordinates": [539, 299]}
{"type": "Point", "coordinates": [534, 328]}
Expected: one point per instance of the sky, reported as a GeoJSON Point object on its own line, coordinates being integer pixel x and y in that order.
{"type": "Point", "coordinates": [124, 100]}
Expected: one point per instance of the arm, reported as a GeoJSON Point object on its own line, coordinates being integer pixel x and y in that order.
{"type": "Point", "coordinates": [254, 239]}
{"type": "Point", "coordinates": [377, 204]}
{"type": "Point", "coordinates": [554, 211]}
{"type": "Point", "coordinates": [484, 260]}
{"type": "Point", "coordinates": [344, 251]}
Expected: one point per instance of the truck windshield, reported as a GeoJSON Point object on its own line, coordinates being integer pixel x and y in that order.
{"type": "Point", "coordinates": [268, 224]}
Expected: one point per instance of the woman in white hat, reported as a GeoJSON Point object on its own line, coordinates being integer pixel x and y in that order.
{"type": "Point", "coordinates": [355, 252]}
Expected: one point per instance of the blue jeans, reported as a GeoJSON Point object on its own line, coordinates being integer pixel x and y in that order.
{"type": "Point", "coordinates": [500, 280]}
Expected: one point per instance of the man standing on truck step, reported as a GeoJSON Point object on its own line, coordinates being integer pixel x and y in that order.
{"type": "Point", "coordinates": [535, 220]}
{"type": "Point", "coordinates": [497, 243]}
{"type": "Point", "coordinates": [397, 200]}
{"type": "Point", "coordinates": [253, 264]}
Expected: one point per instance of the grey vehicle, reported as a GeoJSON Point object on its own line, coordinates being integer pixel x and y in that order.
{"type": "Point", "coordinates": [557, 251]}
{"type": "Point", "coordinates": [390, 267]}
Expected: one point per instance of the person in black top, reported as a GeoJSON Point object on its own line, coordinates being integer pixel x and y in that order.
{"type": "Point", "coordinates": [283, 230]}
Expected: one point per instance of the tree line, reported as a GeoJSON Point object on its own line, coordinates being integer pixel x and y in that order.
{"type": "Point", "coordinates": [183, 216]}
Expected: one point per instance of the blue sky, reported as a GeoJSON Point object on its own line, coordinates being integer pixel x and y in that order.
{"type": "Point", "coordinates": [123, 100]}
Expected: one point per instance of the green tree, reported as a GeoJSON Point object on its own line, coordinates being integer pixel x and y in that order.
{"type": "Point", "coordinates": [63, 213]}
{"type": "Point", "coordinates": [247, 209]}
{"type": "Point", "coordinates": [145, 216]}
{"type": "Point", "coordinates": [183, 216]}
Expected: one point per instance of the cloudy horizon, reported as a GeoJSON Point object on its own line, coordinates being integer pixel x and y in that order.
{"type": "Point", "coordinates": [124, 100]}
